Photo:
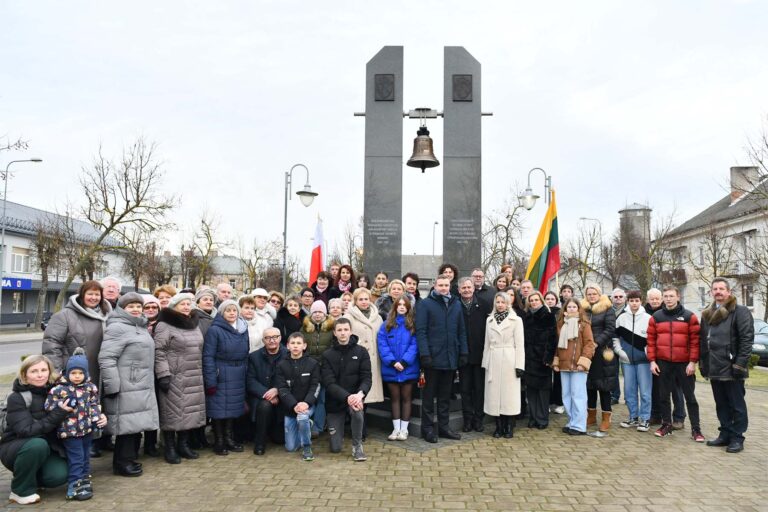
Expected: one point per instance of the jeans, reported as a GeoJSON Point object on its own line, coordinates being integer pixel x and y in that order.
{"type": "Point", "coordinates": [574, 385]}
{"type": "Point", "coordinates": [731, 408]}
{"type": "Point", "coordinates": [78, 457]}
{"type": "Point", "coordinates": [37, 466]}
{"type": "Point", "coordinates": [336, 428]}
{"type": "Point", "coordinates": [319, 408]}
{"type": "Point", "coordinates": [298, 430]}
{"type": "Point", "coordinates": [672, 376]}
{"type": "Point", "coordinates": [637, 383]}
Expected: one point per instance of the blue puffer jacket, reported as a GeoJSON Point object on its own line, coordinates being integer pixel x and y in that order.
{"type": "Point", "coordinates": [225, 363]}
{"type": "Point", "coordinates": [440, 331]}
{"type": "Point", "coordinates": [398, 345]}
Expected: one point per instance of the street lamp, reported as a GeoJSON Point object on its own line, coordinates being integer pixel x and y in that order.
{"type": "Point", "coordinates": [528, 199]}
{"type": "Point", "coordinates": [307, 196]}
{"type": "Point", "coordinates": [2, 241]}
{"type": "Point", "coordinates": [434, 226]}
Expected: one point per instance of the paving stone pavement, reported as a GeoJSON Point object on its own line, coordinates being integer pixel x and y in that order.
{"type": "Point", "coordinates": [536, 470]}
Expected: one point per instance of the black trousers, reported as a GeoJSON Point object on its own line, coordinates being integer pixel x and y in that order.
{"type": "Point", "coordinates": [269, 423]}
{"type": "Point", "coordinates": [438, 386]}
{"type": "Point", "coordinates": [556, 396]}
{"type": "Point", "coordinates": [472, 379]}
{"type": "Point", "coordinates": [605, 399]}
{"type": "Point", "coordinates": [538, 405]}
{"type": "Point", "coordinates": [126, 450]}
{"type": "Point", "coordinates": [678, 403]}
{"type": "Point", "coordinates": [672, 376]}
{"type": "Point", "coordinates": [731, 408]}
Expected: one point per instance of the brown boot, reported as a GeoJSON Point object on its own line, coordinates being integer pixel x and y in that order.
{"type": "Point", "coordinates": [591, 417]}
{"type": "Point", "coordinates": [605, 424]}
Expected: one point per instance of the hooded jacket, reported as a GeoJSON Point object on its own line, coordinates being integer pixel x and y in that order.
{"type": "Point", "coordinates": [225, 359]}
{"type": "Point", "coordinates": [287, 323]}
{"type": "Point", "coordinates": [81, 421]}
{"type": "Point", "coordinates": [127, 361]}
{"type": "Point", "coordinates": [673, 336]}
{"type": "Point", "coordinates": [398, 345]}
{"type": "Point", "coordinates": [603, 375]}
{"type": "Point", "coordinates": [262, 319]}
{"type": "Point", "coordinates": [579, 351]}
{"type": "Point", "coordinates": [727, 335]}
{"type": "Point", "coordinates": [346, 369]}
{"type": "Point", "coordinates": [632, 330]}
{"type": "Point", "coordinates": [317, 336]}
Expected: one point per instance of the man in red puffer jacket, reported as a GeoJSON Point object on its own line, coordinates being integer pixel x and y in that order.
{"type": "Point", "coordinates": [673, 350]}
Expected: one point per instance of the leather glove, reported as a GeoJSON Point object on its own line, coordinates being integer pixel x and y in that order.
{"type": "Point", "coordinates": [739, 372]}
{"type": "Point", "coordinates": [210, 391]}
{"type": "Point", "coordinates": [520, 373]}
{"type": "Point", "coordinates": [426, 362]}
{"type": "Point", "coordinates": [463, 360]}
{"type": "Point", "coordinates": [164, 383]}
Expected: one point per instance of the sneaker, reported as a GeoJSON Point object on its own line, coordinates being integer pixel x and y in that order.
{"type": "Point", "coordinates": [306, 454]}
{"type": "Point", "coordinates": [358, 455]}
{"type": "Point", "coordinates": [24, 500]}
{"type": "Point", "coordinates": [664, 430]}
{"type": "Point", "coordinates": [696, 435]}
{"type": "Point", "coordinates": [402, 435]}
{"type": "Point", "coordinates": [643, 426]}
{"type": "Point", "coordinates": [559, 409]}
{"type": "Point", "coordinates": [678, 425]}
{"type": "Point", "coordinates": [629, 423]}
{"type": "Point", "coordinates": [393, 436]}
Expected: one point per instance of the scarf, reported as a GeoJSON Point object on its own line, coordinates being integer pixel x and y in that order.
{"type": "Point", "coordinates": [467, 303]}
{"type": "Point", "coordinates": [344, 286]}
{"type": "Point", "coordinates": [500, 316]}
{"type": "Point", "coordinates": [378, 291]}
{"type": "Point", "coordinates": [569, 331]}
{"type": "Point", "coordinates": [366, 312]}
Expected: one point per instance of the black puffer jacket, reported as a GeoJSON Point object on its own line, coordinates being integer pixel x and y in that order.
{"type": "Point", "coordinates": [726, 338]}
{"type": "Point", "coordinates": [297, 380]}
{"type": "Point", "coordinates": [346, 370]}
{"type": "Point", "coordinates": [25, 423]}
{"type": "Point", "coordinates": [603, 375]}
{"type": "Point", "coordinates": [262, 374]}
{"type": "Point", "coordinates": [475, 320]}
{"type": "Point", "coordinates": [287, 323]}
{"type": "Point", "coordinates": [540, 346]}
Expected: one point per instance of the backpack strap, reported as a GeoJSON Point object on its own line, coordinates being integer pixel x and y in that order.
{"type": "Point", "coordinates": [27, 396]}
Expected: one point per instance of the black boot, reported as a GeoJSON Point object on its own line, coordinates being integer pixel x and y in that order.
{"type": "Point", "coordinates": [219, 442]}
{"type": "Point", "coordinates": [201, 439]}
{"type": "Point", "coordinates": [182, 446]}
{"type": "Point", "coordinates": [229, 436]}
{"type": "Point", "coordinates": [169, 441]}
{"type": "Point", "coordinates": [499, 428]}
{"type": "Point", "coordinates": [150, 443]}
{"type": "Point", "coordinates": [509, 426]}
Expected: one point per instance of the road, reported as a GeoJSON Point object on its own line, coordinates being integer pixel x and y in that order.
{"type": "Point", "coordinates": [10, 354]}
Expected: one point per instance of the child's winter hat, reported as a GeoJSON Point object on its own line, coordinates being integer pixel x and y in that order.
{"type": "Point", "coordinates": [77, 361]}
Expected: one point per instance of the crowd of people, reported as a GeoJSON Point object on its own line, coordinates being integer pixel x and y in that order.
{"type": "Point", "coordinates": [265, 368]}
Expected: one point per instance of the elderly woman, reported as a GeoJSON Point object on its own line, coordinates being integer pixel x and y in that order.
{"type": "Point", "coordinates": [335, 308]}
{"type": "Point", "coordinates": [163, 294]}
{"type": "Point", "coordinates": [29, 447]}
{"type": "Point", "coordinates": [366, 323]}
{"type": "Point", "coordinates": [395, 291]}
{"type": "Point", "coordinates": [263, 317]}
{"type": "Point", "coordinates": [276, 299]}
{"type": "Point", "coordinates": [225, 359]}
{"type": "Point", "coordinates": [127, 361]}
{"type": "Point", "coordinates": [205, 304]}
{"type": "Point", "coordinates": [178, 368]}
{"type": "Point", "coordinates": [151, 309]}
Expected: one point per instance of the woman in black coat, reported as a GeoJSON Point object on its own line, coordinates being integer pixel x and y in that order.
{"type": "Point", "coordinates": [551, 300]}
{"type": "Point", "coordinates": [289, 318]}
{"type": "Point", "coordinates": [29, 446]}
{"type": "Point", "coordinates": [540, 345]}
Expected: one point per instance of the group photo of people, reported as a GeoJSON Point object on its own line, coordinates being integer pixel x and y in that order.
{"type": "Point", "coordinates": [180, 371]}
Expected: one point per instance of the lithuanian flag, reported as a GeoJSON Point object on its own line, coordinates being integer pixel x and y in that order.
{"type": "Point", "coordinates": [545, 258]}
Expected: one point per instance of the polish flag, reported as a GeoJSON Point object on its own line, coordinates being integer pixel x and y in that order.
{"type": "Point", "coordinates": [316, 264]}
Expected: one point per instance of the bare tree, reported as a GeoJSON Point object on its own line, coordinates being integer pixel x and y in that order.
{"type": "Point", "coordinates": [46, 251]}
{"type": "Point", "coordinates": [501, 234]}
{"type": "Point", "coordinates": [350, 249]}
{"type": "Point", "coordinates": [8, 144]}
{"type": "Point", "coordinates": [614, 261]}
{"type": "Point", "coordinates": [205, 246]}
{"type": "Point", "coordinates": [120, 196]}
{"type": "Point", "coordinates": [256, 260]}
{"type": "Point", "coordinates": [715, 257]}
{"type": "Point", "coordinates": [582, 253]}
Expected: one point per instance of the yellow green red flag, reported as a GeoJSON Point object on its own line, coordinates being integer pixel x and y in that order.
{"type": "Point", "coordinates": [545, 258]}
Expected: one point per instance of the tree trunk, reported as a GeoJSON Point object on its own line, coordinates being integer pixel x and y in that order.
{"type": "Point", "coordinates": [42, 294]}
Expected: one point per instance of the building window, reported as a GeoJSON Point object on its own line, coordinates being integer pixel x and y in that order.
{"type": "Point", "coordinates": [21, 263]}
{"type": "Point", "coordinates": [702, 296]}
{"type": "Point", "coordinates": [18, 302]}
{"type": "Point", "coordinates": [701, 255]}
{"type": "Point", "coordinates": [232, 283]}
{"type": "Point", "coordinates": [748, 295]}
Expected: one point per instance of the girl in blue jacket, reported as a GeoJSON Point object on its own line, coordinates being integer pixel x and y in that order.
{"type": "Point", "coordinates": [399, 353]}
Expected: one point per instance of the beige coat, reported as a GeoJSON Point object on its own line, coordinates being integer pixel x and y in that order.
{"type": "Point", "coordinates": [504, 353]}
{"type": "Point", "coordinates": [367, 331]}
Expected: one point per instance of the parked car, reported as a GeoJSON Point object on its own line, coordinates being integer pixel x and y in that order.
{"type": "Point", "coordinates": [760, 345]}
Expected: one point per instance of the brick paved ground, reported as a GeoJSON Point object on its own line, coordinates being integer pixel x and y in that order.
{"type": "Point", "coordinates": [537, 470]}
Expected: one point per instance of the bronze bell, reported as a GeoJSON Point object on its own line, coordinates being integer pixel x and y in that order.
{"type": "Point", "coordinates": [423, 154]}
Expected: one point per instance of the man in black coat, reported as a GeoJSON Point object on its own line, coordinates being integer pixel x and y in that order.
{"type": "Point", "coordinates": [266, 412]}
{"type": "Point", "coordinates": [482, 290]}
{"type": "Point", "coordinates": [726, 338]}
{"type": "Point", "coordinates": [472, 374]}
{"type": "Point", "coordinates": [346, 376]}
{"type": "Point", "coordinates": [442, 342]}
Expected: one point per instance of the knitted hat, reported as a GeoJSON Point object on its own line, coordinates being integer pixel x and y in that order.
{"type": "Point", "coordinates": [129, 298]}
{"type": "Point", "coordinates": [318, 305]}
{"type": "Point", "coordinates": [77, 361]}
{"type": "Point", "coordinates": [229, 302]}
{"type": "Point", "coordinates": [150, 299]}
{"type": "Point", "coordinates": [260, 292]}
{"type": "Point", "coordinates": [205, 291]}
{"type": "Point", "coordinates": [180, 297]}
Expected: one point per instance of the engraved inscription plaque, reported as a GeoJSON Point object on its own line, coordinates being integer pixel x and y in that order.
{"type": "Point", "coordinates": [462, 87]}
{"type": "Point", "coordinates": [384, 87]}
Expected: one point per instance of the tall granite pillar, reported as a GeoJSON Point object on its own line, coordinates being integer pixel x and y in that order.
{"type": "Point", "coordinates": [462, 219]}
{"type": "Point", "coordinates": [383, 214]}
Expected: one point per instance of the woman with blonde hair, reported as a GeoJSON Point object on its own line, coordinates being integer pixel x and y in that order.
{"type": "Point", "coordinates": [540, 346]}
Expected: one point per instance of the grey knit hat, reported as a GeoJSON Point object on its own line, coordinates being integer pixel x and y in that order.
{"type": "Point", "coordinates": [203, 291]}
{"type": "Point", "coordinates": [229, 302]}
{"type": "Point", "coordinates": [180, 297]}
{"type": "Point", "coordinates": [130, 298]}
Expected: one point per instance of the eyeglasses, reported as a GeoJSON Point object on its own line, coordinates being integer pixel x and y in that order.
{"type": "Point", "coordinates": [271, 338]}
{"type": "Point", "coordinates": [151, 307]}
{"type": "Point", "coordinates": [275, 301]}
{"type": "Point", "coordinates": [618, 296]}
{"type": "Point", "coordinates": [308, 296]}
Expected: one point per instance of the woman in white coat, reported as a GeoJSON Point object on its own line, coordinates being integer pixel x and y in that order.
{"type": "Point", "coordinates": [504, 363]}
{"type": "Point", "coordinates": [366, 323]}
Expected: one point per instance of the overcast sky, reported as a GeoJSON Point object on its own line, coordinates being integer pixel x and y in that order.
{"type": "Point", "coordinates": [620, 102]}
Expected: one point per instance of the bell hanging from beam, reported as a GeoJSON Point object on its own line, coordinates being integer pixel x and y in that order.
{"type": "Point", "coordinates": [423, 153]}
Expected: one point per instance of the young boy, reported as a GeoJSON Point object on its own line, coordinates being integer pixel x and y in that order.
{"type": "Point", "coordinates": [298, 384]}
{"type": "Point", "coordinates": [346, 374]}
{"type": "Point", "coordinates": [76, 390]}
